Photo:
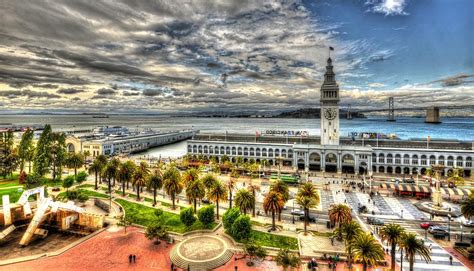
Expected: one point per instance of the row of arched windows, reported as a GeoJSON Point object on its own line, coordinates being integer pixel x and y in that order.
{"type": "Point", "coordinates": [240, 151]}
{"type": "Point", "coordinates": [423, 160]}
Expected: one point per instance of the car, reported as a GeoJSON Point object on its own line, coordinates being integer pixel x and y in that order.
{"type": "Point", "coordinates": [438, 230]}
{"type": "Point", "coordinates": [311, 219]}
{"type": "Point", "coordinates": [425, 225]}
{"type": "Point", "coordinates": [297, 212]}
{"type": "Point", "coordinates": [375, 221]}
{"type": "Point", "coordinates": [205, 201]}
{"type": "Point", "coordinates": [468, 223]}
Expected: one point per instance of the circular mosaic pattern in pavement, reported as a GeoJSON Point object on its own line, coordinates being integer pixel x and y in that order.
{"type": "Point", "coordinates": [203, 252]}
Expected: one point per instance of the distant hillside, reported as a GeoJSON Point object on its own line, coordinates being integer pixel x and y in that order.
{"type": "Point", "coordinates": [313, 113]}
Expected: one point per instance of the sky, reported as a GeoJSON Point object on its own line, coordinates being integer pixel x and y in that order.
{"type": "Point", "coordinates": [234, 55]}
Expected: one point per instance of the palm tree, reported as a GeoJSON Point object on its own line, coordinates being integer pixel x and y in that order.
{"type": "Point", "coordinates": [467, 206]}
{"type": "Point", "coordinates": [172, 183]}
{"type": "Point", "coordinates": [367, 250]}
{"type": "Point", "coordinates": [244, 200]}
{"type": "Point", "coordinates": [101, 160]}
{"type": "Point", "coordinates": [273, 203]}
{"type": "Point", "coordinates": [115, 163]}
{"type": "Point", "coordinates": [307, 197]}
{"type": "Point", "coordinates": [253, 188]}
{"type": "Point", "coordinates": [125, 173]}
{"type": "Point", "coordinates": [155, 182]}
{"type": "Point", "coordinates": [189, 176]}
{"type": "Point", "coordinates": [281, 188]}
{"type": "Point", "coordinates": [218, 192]}
{"type": "Point", "coordinates": [412, 245]}
{"type": "Point", "coordinates": [234, 175]}
{"type": "Point", "coordinates": [306, 203]}
{"type": "Point", "coordinates": [141, 176]}
{"type": "Point", "coordinates": [392, 234]}
{"type": "Point", "coordinates": [209, 180]}
{"type": "Point", "coordinates": [194, 191]}
{"type": "Point", "coordinates": [109, 172]}
{"type": "Point", "coordinates": [340, 214]}
{"type": "Point", "coordinates": [75, 160]}
{"type": "Point", "coordinates": [95, 169]}
{"type": "Point", "coordinates": [349, 232]}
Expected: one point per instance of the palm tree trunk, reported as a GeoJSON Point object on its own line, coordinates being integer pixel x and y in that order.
{"type": "Point", "coordinates": [195, 202]}
{"type": "Point", "coordinates": [138, 192]}
{"type": "Point", "coordinates": [154, 196]}
{"type": "Point", "coordinates": [54, 172]}
{"type": "Point", "coordinates": [123, 188]}
{"type": "Point", "coordinates": [279, 216]}
{"type": "Point", "coordinates": [127, 184]}
{"type": "Point", "coordinates": [172, 198]}
{"type": "Point", "coordinates": [392, 252]}
{"type": "Point", "coordinates": [411, 259]}
{"type": "Point", "coordinates": [364, 266]}
{"type": "Point", "coordinates": [217, 209]}
{"type": "Point", "coordinates": [253, 207]}
{"type": "Point", "coordinates": [96, 180]}
{"type": "Point", "coordinates": [273, 220]}
{"type": "Point", "coordinates": [305, 221]}
{"type": "Point", "coordinates": [230, 199]}
{"type": "Point", "coordinates": [75, 171]}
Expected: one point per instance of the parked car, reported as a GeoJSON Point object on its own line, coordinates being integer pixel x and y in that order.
{"type": "Point", "coordinates": [425, 225]}
{"type": "Point", "coordinates": [468, 223]}
{"type": "Point", "coordinates": [438, 230]}
{"type": "Point", "coordinates": [375, 221]}
{"type": "Point", "coordinates": [297, 212]}
{"type": "Point", "coordinates": [311, 219]}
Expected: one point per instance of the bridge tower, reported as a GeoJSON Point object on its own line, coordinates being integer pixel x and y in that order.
{"type": "Point", "coordinates": [349, 113]}
{"type": "Point", "coordinates": [391, 110]}
{"type": "Point", "coordinates": [432, 115]}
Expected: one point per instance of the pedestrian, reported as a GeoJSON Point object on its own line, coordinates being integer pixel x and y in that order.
{"type": "Point", "coordinates": [134, 258]}
{"type": "Point", "coordinates": [130, 258]}
{"type": "Point", "coordinates": [450, 260]}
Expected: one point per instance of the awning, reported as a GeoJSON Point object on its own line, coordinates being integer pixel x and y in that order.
{"type": "Point", "coordinates": [453, 191]}
{"type": "Point", "coordinates": [389, 186]}
{"type": "Point", "coordinates": [422, 189]}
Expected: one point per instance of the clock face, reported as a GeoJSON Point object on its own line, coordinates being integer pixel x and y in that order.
{"type": "Point", "coordinates": [330, 113]}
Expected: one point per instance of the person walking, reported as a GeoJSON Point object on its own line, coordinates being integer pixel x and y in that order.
{"type": "Point", "coordinates": [130, 258]}
{"type": "Point", "coordinates": [450, 260]}
{"type": "Point", "coordinates": [134, 258]}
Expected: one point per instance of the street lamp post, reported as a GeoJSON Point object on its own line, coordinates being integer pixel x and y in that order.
{"type": "Point", "coordinates": [461, 232]}
{"type": "Point", "coordinates": [293, 212]}
{"type": "Point", "coordinates": [402, 214]}
{"type": "Point", "coordinates": [370, 178]}
{"type": "Point", "coordinates": [449, 227]}
{"type": "Point", "coordinates": [426, 234]}
{"type": "Point", "coordinates": [401, 259]}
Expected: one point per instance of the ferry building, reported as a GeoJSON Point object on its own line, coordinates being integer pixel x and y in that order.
{"type": "Point", "coordinates": [330, 153]}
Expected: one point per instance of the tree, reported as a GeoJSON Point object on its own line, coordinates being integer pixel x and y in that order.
{"type": "Point", "coordinates": [194, 191]}
{"type": "Point", "coordinates": [229, 217]}
{"type": "Point", "coordinates": [140, 177]}
{"type": "Point", "coordinates": [115, 164]}
{"type": "Point", "coordinates": [392, 234]}
{"type": "Point", "coordinates": [155, 182]}
{"type": "Point", "coordinates": [109, 172]}
{"type": "Point", "coordinates": [126, 174]}
{"type": "Point", "coordinates": [281, 188]}
{"type": "Point", "coordinates": [208, 180]}
{"type": "Point", "coordinates": [9, 159]}
{"type": "Point", "coordinates": [467, 206]}
{"type": "Point", "coordinates": [95, 169]}
{"type": "Point", "coordinates": [206, 215]}
{"type": "Point", "coordinates": [349, 231]}
{"type": "Point", "coordinates": [241, 228]}
{"type": "Point", "coordinates": [412, 245]}
{"type": "Point", "coordinates": [75, 160]}
{"type": "Point", "coordinates": [124, 222]}
{"type": "Point", "coordinates": [26, 149]}
{"type": "Point", "coordinates": [367, 250]}
{"type": "Point", "coordinates": [156, 232]}
{"type": "Point", "coordinates": [254, 250]}
{"type": "Point", "coordinates": [340, 214]}
{"type": "Point", "coordinates": [189, 176]}
{"type": "Point", "coordinates": [58, 154]}
{"type": "Point", "coordinates": [218, 192]}
{"type": "Point", "coordinates": [187, 216]}
{"type": "Point", "coordinates": [456, 176]}
{"type": "Point", "coordinates": [244, 200]}
{"type": "Point", "coordinates": [42, 159]}
{"type": "Point", "coordinates": [68, 182]}
{"type": "Point", "coordinates": [81, 177]}
{"type": "Point", "coordinates": [273, 203]}
{"type": "Point", "coordinates": [234, 176]}
{"type": "Point", "coordinates": [101, 160]}
{"type": "Point", "coordinates": [34, 180]}
{"type": "Point", "coordinates": [172, 183]}
{"type": "Point", "coordinates": [307, 197]}
{"type": "Point", "coordinates": [253, 188]}
{"type": "Point", "coordinates": [287, 259]}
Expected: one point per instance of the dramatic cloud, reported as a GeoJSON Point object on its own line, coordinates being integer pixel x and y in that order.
{"type": "Point", "coordinates": [69, 91]}
{"type": "Point", "coordinates": [388, 7]}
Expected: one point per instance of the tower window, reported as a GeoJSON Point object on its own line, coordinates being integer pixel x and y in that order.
{"type": "Point", "coordinates": [325, 130]}
{"type": "Point", "coordinates": [329, 123]}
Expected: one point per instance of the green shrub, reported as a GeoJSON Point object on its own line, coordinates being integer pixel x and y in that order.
{"type": "Point", "coordinates": [187, 216]}
{"type": "Point", "coordinates": [229, 217]}
{"type": "Point", "coordinates": [81, 177]}
{"type": "Point", "coordinates": [72, 195]}
{"type": "Point", "coordinates": [241, 228]}
{"type": "Point", "coordinates": [68, 181]}
{"type": "Point", "coordinates": [158, 212]}
{"type": "Point", "coordinates": [206, 215]}
{"type": "Point", "coordinates": [82, 197]}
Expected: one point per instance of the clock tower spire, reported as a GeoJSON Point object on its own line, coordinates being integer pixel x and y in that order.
{"type": "Point", "coordinates": [329, 107]}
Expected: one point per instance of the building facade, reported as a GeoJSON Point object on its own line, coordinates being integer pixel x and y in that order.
{"type": "Point", "coordinates": [330, 153]}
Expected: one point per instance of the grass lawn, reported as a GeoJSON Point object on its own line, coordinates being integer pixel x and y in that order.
{"type": "Point", "coordinates": [13, 192]}
{"type": "Point", "coordinates": [5, 184]}
{"type": "Point", "coordinates": [85, 186]}
{"type": "Point", "coordinates": [87, 192]}
{"type": "Point", "coordinates": [144, 215]}
{"type": "Point", "coordinates": [12, 177]}
{"type": "Point", "coordinates": [273, 240]}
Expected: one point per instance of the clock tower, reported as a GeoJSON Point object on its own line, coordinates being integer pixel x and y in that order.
{"type": "Point", "coordinates": [329, 107]}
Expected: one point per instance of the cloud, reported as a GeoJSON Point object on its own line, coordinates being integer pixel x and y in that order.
{"type": "Point", "coordinates": [27, 93]}
{"type": "Point", "coordinates": [376, 85]}
{"type": "Point", "coordinates": [455, 80]}
{"type": "Point", "coordinates": [387, 7]}
{"type": "Point", "coordinates": [69, 91]}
